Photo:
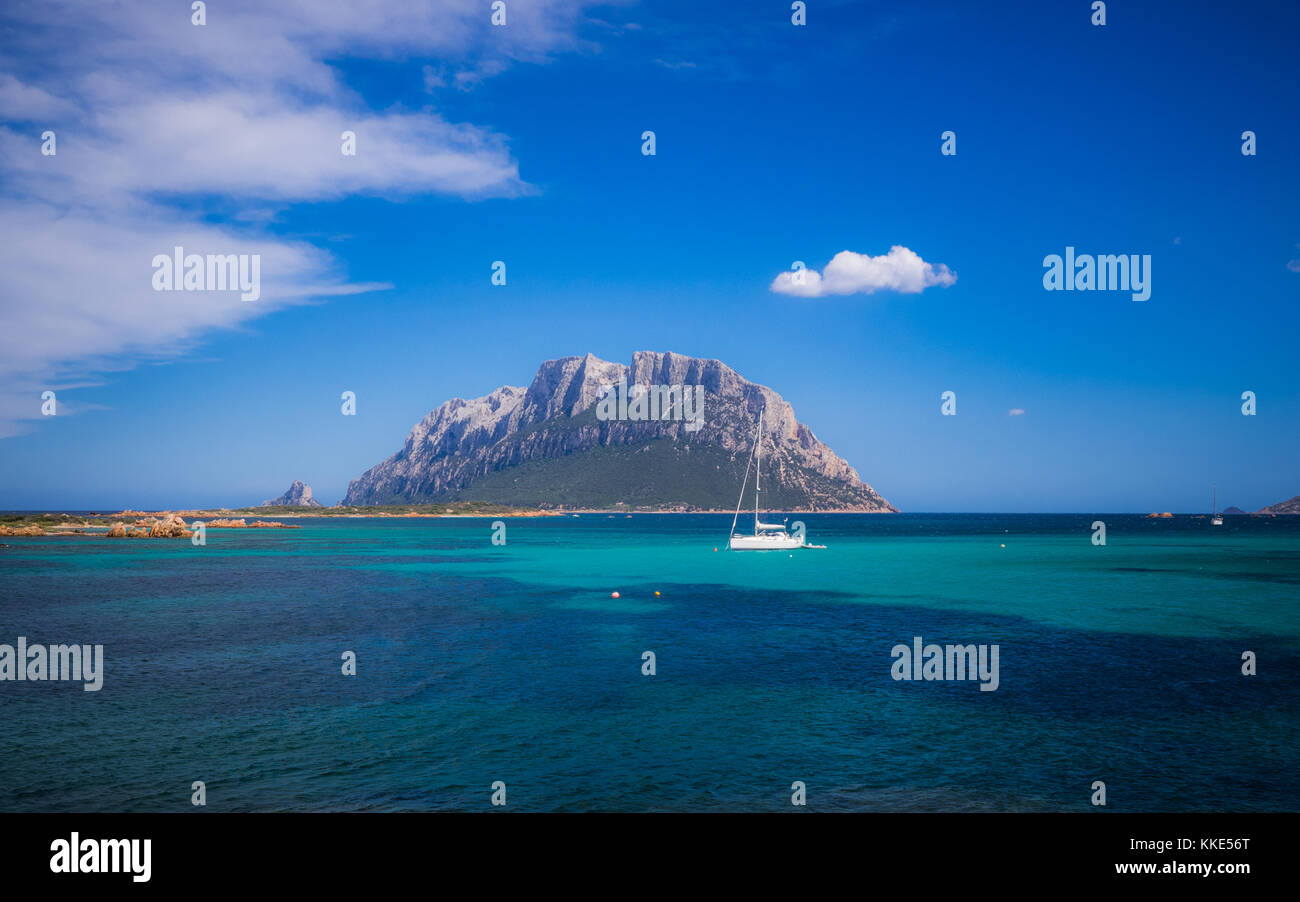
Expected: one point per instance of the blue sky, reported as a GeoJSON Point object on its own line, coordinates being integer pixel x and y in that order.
{"type": "Point", "coordinates": [775, 143]}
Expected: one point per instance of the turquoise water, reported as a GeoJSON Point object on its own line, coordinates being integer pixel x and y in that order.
{"type": "Point", "coordinates": [478, 663]}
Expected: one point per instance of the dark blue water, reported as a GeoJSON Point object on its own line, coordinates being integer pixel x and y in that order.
{"type": "Point", "coordinates": [479, 663]}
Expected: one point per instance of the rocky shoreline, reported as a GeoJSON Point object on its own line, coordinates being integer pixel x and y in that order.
{"type": "Point", "coordinates": [163, 525]}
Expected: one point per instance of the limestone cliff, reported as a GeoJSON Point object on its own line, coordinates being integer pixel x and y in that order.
{"type": "Point", "coordinates": [546, 446]}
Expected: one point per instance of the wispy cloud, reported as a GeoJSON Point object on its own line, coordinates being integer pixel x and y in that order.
{"type": "Point", "coordinates": [79, 300]}
{"type": "Point", "coordinates": [240, 146]}
{"type": "Point", "coordinates": [1016, 412]}
{"type": "Point", "coordinates": [159, 121]}
{"type": "Point", "coordinates": [900, 270]}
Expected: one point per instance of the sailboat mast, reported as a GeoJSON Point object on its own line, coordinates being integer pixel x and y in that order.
{"type": "Point", "coordinates": [758, 464]}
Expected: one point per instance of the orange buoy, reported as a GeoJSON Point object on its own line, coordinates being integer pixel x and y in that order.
{"type": "Point", "coordinates": [656, 591]}
{"type": "Point", "coordinates": [613, 595]}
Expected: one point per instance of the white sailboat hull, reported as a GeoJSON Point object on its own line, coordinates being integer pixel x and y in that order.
{"type": "Point", "coordinates": [767, 536]}
{"type": "Point", "coordinates": [761, 542]}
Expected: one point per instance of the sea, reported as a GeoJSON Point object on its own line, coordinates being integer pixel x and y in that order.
{"type": "Point", "coordinates": [1164, 664]}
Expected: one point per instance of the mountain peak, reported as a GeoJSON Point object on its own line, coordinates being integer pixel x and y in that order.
{"type": "Point", "coordinates": [298, 495]}
{"type": "Point", "coordinates": [547, 446]}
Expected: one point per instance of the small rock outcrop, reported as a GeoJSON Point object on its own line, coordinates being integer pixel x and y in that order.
{"type": "Point", "coordinates": [298, 495]}
{"type": "Point", "coordinates": [241, 523]}
{"type": "Point", "coordinates": [167, 526]}
{"type": "Point", "coordinates": [21, 531]}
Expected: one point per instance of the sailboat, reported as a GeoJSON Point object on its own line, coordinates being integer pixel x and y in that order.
{"type": "Point", "coordinates": [1216, 519]}
{"type": "Point", "coordinates": [767, 536]}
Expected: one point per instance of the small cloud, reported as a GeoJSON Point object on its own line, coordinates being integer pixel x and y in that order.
{"type": "Point", "coordinates": [1178, 239]}
{"type": "Point", "coordinates": [1016, 412]}
{"type": "Point", "coordinates": [900, 270]}
{"type": "Point", "coordinates": [433, 80]}
{"type": "Point", "coordinates": [680, 64]}
{"type": "Point", "coordinates": [614, 27]}
{"type": "Point", "coordinates": [256, 214]}
{"type": "Point", "coordinates": [1294, 266]}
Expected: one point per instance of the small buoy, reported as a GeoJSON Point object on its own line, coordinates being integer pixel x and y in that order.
{"type": "Point", "coordinates": [656, 591]}
{"type": "Point", "coordinates": [613, 595]}
{"type": "Point", "coordinates": [1004, 546]}
{"type": "Point", "coordinates": [715, 549]}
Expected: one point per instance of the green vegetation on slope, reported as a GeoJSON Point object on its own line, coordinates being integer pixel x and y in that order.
{"type": "Point", "coordinates": [660, 474]}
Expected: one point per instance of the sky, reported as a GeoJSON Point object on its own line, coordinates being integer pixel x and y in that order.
{"type": "Point", "coordinates": [774, 143]}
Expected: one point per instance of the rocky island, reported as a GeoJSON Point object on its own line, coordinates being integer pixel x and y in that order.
{"type": "Point", "coordinates": [297, 495]}
{"type": "Point", "coordinates": [548, 447]}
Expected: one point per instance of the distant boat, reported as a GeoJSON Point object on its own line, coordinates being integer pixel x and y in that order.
{"type": "Point", "coordinates": [767, 536]}
{"type": "Point", "coordinates": [1216, 519]}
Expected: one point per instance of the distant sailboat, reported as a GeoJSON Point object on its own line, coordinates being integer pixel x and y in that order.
{"type": "Point", "coordinates": [767, 536]}
{"type": "Point", "coordinates": [1216, 519]}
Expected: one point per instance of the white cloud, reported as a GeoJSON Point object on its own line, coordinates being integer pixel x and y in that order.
{"type": "Point", "coordinates": [250, 104]}
{"type": "Point", "coordinates": [78, 298]}
{"type": "Point", "coordinates": [900, 270]}
{"type": "Point", "coordinates": [1016, 412]}
{"type": "Point", "coordinates": [245, 146]}
{"type": "Point", "coordinates": [156, 118]}
{"type": "Point", "coordinates": [1293, 265]}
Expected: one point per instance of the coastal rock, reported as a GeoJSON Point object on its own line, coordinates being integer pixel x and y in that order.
{"type": "Point", "coordinates": [170, 526]}
{"type": "Point", "coordinates": [298, 495]}
{"type": "Point", "coordinates": [545, 446]}
{"type": "Point", "coordinates": [21, 531]}
{"type": "Point", "coordinates": [167, 526]}
{"type": "Point", "coordinates": [241, 523]}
